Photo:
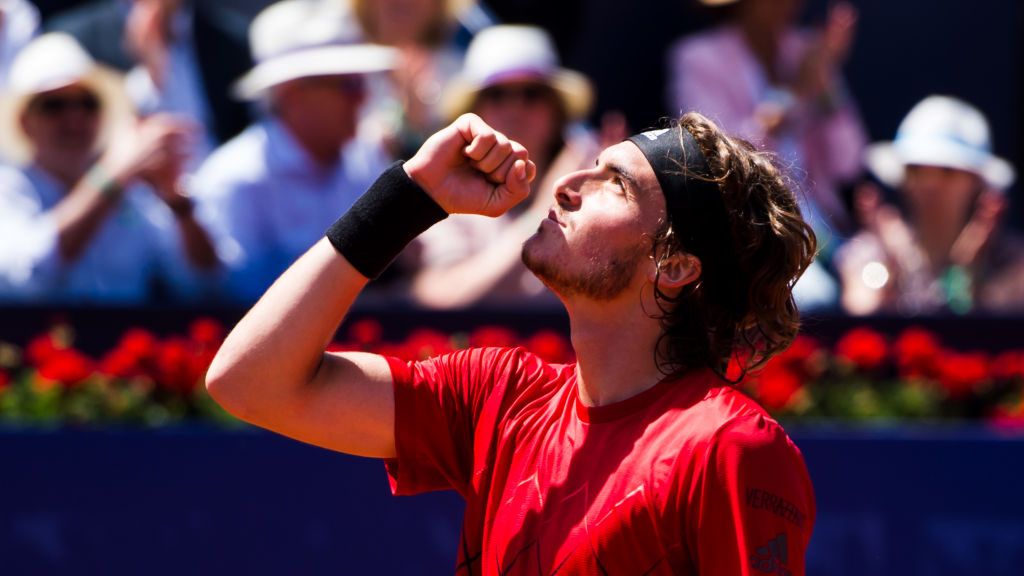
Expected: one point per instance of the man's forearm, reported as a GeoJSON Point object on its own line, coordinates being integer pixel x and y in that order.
{"type": "Point", "coordinates": [272, 369]}
{"type": "Point", "coordinates": [85, 208]}
{"type": "Point", "coordinates": [198, 245]}
{"type": "Point", "coordinates": [279, 346]}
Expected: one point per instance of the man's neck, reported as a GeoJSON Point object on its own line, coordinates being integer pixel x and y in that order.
{"type": "Point", "coordinates": [67, 171]}
{"type": "Point", "coordinates": [614, 345]}
{"type": "Point", "coordinates": [325, 156]}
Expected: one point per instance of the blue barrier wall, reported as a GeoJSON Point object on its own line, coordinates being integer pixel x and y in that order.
{"type": "Point", "coordinates": [201, 501]}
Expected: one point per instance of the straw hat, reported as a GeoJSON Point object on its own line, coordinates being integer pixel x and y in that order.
{"type": "Point", "coordinates": [501, 53]}
{"type": "Point", "coordinates": [940, 131]}
{"type": "Point", "coordinates": [301, 38]}
{"type": "Point", "coordinates": [52, 61]}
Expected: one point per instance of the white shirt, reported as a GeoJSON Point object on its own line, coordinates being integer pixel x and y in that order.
{"type": "Point", "coordinates": [19, 22]}
{"type": "Point", "coordinates": [265, 201]}
{"type": "Point", "coordinates": [137, 244]}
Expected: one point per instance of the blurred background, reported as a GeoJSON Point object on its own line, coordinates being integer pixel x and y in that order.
{"type": "Point", "coordinates": [162, 161]}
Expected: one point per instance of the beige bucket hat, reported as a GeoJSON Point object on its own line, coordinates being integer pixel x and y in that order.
{"type": "Point", "coordinates": [52, 61]}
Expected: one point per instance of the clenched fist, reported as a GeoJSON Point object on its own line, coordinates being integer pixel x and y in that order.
{"type": "Point", "coordinates": [470, 168]}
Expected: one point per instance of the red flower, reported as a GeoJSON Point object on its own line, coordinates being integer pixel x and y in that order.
{"type": "Point", "coordinates": [388, 349]}
{"type": "Point", "coordinates": [492, 336]}
{"type": "Point", "coordinates": [133, 355]}
{"type": "Point", "coordinates": [120, 363]}
{"type": "Point", "coordinates": [1008, 365]}
{"type": "Point", "coordinates": [366, 332]}
{"type": "Point", "coordinates": [138, 343]}
{"type": "Point", "coordinates": [69, 367]}
{"type": "Point", "coordinates": [863, 347]}
{"type": "Point", "coordinates": [800, 358]}
{"type": "Point", "coordinates": [424, 343]}
{"type": "Point", "coordinates": [917, 353]}
{"type": "Point", "coordinates": [5, 379]}
{"type": "Point", "coordinates": [551, 346]}
{"type": "Point", "coordinates": [1008, 416]}
{"type": "Point", "coordinates": [776, 387]}
{"type": "Point", "coordinates": [960, 374]}
{"type": "Point", "coordinates": [42, 348]}
{"type": "Point", "coordinates": [178, 368]}
{"type": "Point", "coordinates": [346, 346]}
{"type": "Point", "coordinates": [206, 332]}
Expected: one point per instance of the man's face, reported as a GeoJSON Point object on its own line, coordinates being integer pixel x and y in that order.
{"type": "Point", "coordinates": [65, 121]}
{"type": "Point", "coordinates": [597, 240]}
{"type": "Point", "coordinates": [526, 111]}
{"type": "Point", "coordinates": [940, 196]}
{"type": "Point", "coordinates": [325, 109]}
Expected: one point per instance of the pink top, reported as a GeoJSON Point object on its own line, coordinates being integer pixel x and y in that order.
{"type": "Point", "coordinates": [716, 74]}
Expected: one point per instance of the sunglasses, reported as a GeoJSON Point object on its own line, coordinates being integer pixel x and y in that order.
{"type": "Point", "coordinates": [56, 105]}
{"type": "Point", "coordinates": [350, 84]}
{"type": "Point", "coordinates": [529, 94]}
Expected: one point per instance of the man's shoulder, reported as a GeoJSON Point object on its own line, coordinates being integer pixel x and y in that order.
{"type": "Point", "coordinates": [723, 413]}
{"type": "Point", "coordinates": [14, 179]}
{"type": "Point", "coordinates": [511, 362]}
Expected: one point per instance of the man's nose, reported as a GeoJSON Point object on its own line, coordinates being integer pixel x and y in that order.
{"type": "Point", "coordinates": [567, 190]}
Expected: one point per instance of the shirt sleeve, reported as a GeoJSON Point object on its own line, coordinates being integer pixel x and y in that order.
{"type": "Point", "coordinates": [439, 404]}
{"type": "Point", "coordinates": [29, 258]}
{"type": "Point", "coordinates": [752, 506]}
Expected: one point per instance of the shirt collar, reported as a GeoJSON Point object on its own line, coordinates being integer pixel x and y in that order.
{"type": "Point", "coordinates": [286, 155]}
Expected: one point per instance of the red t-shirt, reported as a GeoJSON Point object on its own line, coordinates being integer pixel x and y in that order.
{"type": "Point", "coordinates": [688, 477]}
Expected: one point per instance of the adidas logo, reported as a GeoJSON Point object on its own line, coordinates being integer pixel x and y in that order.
{"type": "Point", "coordinates": [772, 557]}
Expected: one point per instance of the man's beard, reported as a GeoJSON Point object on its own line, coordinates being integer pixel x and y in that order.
{"type": "Point", "coordinates": [601, 281]}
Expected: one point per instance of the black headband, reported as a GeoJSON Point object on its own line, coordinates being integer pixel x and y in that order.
{"type": "Point", "coordinates": [693, 201]}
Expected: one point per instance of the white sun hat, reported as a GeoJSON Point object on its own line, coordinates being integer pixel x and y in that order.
{"type": "Point", "coordinates": [49, 62]}
{"type": "Point", "coordinates": [514, 52]}
{"type": "Point", "coordinates": [940, 131]}
{"type": "Point", "coordinates": [302, 38]}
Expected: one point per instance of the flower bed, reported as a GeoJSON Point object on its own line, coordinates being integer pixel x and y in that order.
{"type": "Point", "coordinates": [152, 380]}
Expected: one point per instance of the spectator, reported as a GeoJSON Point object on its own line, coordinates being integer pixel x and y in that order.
{"type": "Point", "coordinates": [269, 193]}
{"type": "Point", "coordinates": [513, 81]}
{"type": "Point", "coordinates": [768, 82]}
{"type": "Point", "coordinates": [405, 103]}
{"type": "Point", "coordinates": [77, 229]}
{"type": "Point", "coordinates": [19, 21]}
{"type": "Point", "coordinates": [948, 250]}
{"type": "Point", "coordinates": [200, 45]}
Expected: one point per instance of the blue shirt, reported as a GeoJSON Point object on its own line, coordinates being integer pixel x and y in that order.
{"type": "Point", "coordinates": [266, 201]}
{"type": "Point", "coordinates": [137, 245]}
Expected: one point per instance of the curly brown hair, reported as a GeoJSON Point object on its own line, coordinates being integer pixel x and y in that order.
{"type": "Point", "coordinates": [739, 312]}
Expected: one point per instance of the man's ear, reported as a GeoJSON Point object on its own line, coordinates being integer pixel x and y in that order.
{"type": "Point", "coordinates": [677, 271]}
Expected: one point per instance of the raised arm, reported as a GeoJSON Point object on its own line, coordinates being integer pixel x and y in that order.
{"type": "Point", "coordinates": [272, 370]}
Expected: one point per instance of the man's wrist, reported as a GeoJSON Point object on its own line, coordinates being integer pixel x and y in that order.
{"type": "Point", "coordinates": [104, 181]}
{"type": "Point", "coordinates": [383, 221]}
{"type": "Point", "coordinates": [181, 206]}
{"type": "Point", "coordinates": [413, 168]}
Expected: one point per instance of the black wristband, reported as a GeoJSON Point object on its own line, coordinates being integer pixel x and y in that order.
{"type": "Point", "coordinates": [393, 212]}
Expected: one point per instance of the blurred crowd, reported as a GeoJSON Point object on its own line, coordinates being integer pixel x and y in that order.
{"type": "Point", "coordinates": [169, 151]}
